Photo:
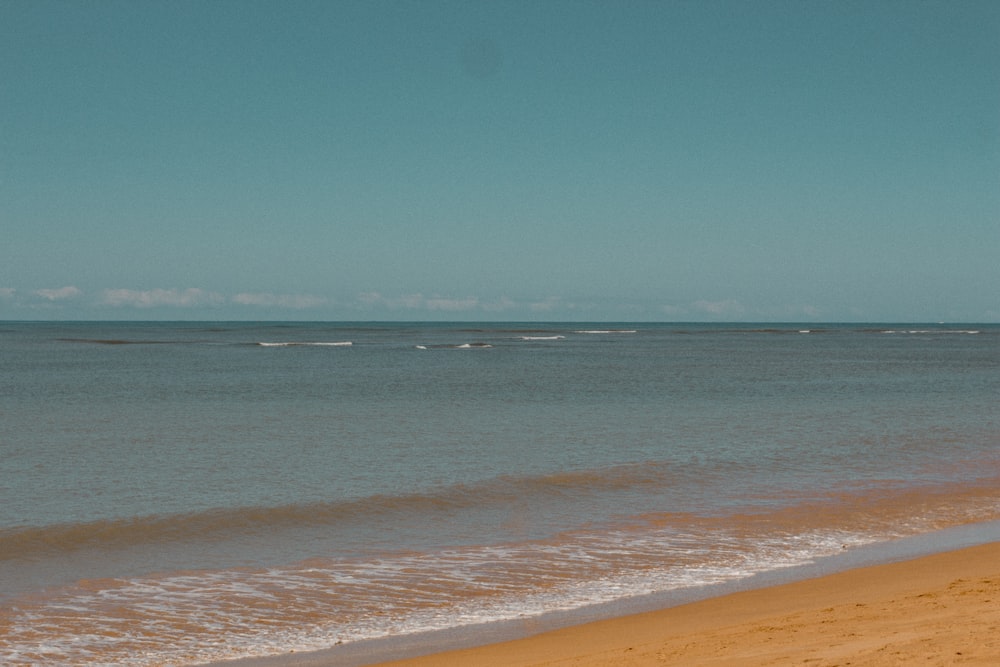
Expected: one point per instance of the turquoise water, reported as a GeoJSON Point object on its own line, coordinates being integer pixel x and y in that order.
{"type": "Point", "coordinates": [173, 493]}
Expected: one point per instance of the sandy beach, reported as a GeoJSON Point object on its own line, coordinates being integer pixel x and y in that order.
{"type": "Point", "coordinates": [942, 609]}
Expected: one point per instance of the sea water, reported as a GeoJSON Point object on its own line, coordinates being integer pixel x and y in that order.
{"type": "Point", "coordinates": [177, 493]}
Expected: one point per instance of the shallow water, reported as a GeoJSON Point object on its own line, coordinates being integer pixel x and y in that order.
{"type": "Point", "coordinates": [173, 493]}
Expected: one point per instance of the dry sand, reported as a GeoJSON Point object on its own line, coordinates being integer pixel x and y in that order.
{"type": "Point", "coordinates": [942, 609]}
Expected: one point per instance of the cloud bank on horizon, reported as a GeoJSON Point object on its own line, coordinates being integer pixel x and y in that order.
{"type": "Point", "coordinates": [564, 160]}
{"type": "Point", "coordinates": [70, 302]}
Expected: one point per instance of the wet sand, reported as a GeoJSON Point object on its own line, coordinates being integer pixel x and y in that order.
{"type": "Point", "coordinates": [942, 609]}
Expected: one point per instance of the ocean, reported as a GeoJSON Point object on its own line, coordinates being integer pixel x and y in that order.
{"type": "Point", "coordinates": [182, 493]}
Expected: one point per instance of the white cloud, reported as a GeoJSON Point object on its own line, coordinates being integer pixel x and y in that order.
{"type": "Point", "coordinates": [812, 311]}
{"type": "Point", "coordinates": [439, 303]}
{"type": "Point", "coordinates": [370, 298]}
{"type": "Point", "coordinates": [501, 304]}
{"type": "Point", "coordinates": [58, 294]}
{"type": "Point", "coordinates": [7, 292]}
{"type": "Point", "coordinates": [376, 299]}
{"type": "Point", "coordinates": [725, 307]}
{"type": "Point", "coordinates": [192, 296]}
{"type": "Point", "coordinates": [419, 302]}
{"type": "Point", "coordinates": [671, 311]}
{"type": "Point", "coordinates": [408, 301]}
{"type": "Point", "coordinates": [296, 301]}
{"type": "Point", "coordinates": [544, 306]}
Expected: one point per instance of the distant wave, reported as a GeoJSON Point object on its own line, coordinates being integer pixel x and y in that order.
{"type": "Point", "coordinates": [345, 343]}
{"type": "Point", "coordinates": [505, 330]}
{"type": "Point", "coordinates": [460, 346]}
{"type": "Point", "coordinates": [557, 337]}
{"type": "Point", "coordinates": [930, 331]}
{"type": "Point", "coordinates": [126, 341]}
{"type": "Point", "coordinates": [115, 341]}
{"type": "Point", "coordinates": [606, 331]}
{"type": "Point", "coordinates": [772, 330]}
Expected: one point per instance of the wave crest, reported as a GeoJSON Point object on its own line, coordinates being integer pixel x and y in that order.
{"type": "Point", "coordinates": [34, 541]}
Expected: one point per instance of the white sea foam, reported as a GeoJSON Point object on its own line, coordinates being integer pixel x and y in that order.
{"type": "Point", "coordinates": [606, 331]}
{"type": "Point", "coordinates": [345, 343]}
{"type": "Point", "coordinates": [235, 610]}
{"type": "Point", "coordinates": [926, 332]}
{"type": "Point", "coordinates": [542, 337]}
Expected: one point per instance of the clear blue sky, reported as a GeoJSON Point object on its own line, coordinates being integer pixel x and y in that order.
{"type": "Point", "coordinates": [543, 160]}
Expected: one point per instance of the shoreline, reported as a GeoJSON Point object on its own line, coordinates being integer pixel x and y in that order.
{"type": "Point", "coordinates": [940, 609]}
{"type": "Point", "coordinates": [921, 597]}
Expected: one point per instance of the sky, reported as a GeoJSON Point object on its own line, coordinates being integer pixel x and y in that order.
{"type": "Point", "coordinates": [535, 160]}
